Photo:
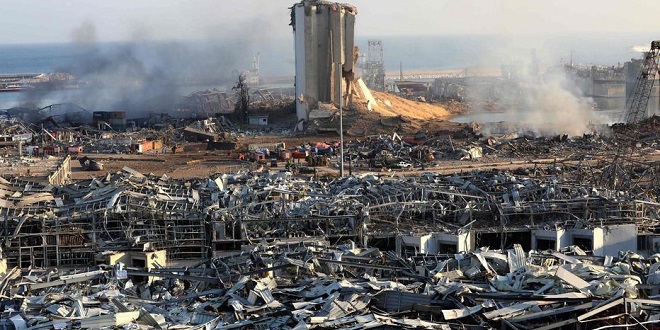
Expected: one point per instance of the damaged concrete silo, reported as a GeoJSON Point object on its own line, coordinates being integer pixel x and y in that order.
{"type": "Point", "coordinates": [324, 41]}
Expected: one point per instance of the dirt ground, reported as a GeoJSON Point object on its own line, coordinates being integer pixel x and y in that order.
{"type": "Point", "coordinates": [181, 165]}
{"type": "Point", "coordinates": [200, 165]}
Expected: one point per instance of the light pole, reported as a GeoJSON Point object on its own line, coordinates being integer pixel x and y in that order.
{"type": "Point", "coordinates": [341, 122]}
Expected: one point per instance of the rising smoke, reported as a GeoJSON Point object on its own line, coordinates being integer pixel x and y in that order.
{"type": "Point", "coordinates": [640, 48]}
{"type": "Point", "coordinates": [553, 105]}
{"type": "Point", "coordinates": [541, 103]}
{"type": "Point", "coordinates": [142, 76]}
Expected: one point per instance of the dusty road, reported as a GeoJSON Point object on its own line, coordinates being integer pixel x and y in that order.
{"type": "Point", "coordinates": [182, 165]}
{"type": "Point", "coordinates": [205, 164]}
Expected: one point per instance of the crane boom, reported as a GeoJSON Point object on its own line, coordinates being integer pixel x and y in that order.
{"type": "Point", "coordinates": [636, 105]}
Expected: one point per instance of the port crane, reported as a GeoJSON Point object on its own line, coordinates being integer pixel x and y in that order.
{"type": "Point", "coordinates": [638, 101]}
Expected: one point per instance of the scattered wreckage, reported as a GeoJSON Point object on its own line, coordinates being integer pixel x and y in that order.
{"type": "Point", "coordinates": [276, 251]}
{"type": "Point", "coordinates": [479, 144]}
{"type": "Point", "coordinates": [545, 246]}
{"type": "Point", "coordinates": [314, 285]}
{"type": "Point", "coordinates": [88, 164]}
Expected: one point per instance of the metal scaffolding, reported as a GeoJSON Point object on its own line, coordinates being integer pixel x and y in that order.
{"type": "Point", "coordinates": [374, 76]}
{"type": "Point", "coordinates": [636, 107]}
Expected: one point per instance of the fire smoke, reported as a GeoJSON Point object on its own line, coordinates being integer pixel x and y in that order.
{"type": "Point", "coordinates": [540, 104]}
{"type": "Point", "coordinates": [142, 76]}
{"type": "Point", "coordinates": [552, 105]}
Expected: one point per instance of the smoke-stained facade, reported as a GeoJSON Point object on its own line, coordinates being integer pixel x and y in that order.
{"type": "Point", "coordinates": [324, 40]}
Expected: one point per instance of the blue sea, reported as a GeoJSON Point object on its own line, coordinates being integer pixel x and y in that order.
{"type": "Point", "coordinates": [116, 67]}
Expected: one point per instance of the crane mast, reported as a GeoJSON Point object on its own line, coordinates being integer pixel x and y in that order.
{"type": "Point", "coordinates": [636, 105]}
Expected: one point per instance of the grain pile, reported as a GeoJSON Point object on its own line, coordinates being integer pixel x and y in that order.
{"type": "Point", "coordinates": [392, 105]}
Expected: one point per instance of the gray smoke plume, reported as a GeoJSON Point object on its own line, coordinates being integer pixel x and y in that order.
{"type": "Point", "coordinates": [85, 34]}
{"type": "Point", "coordinates": [143, 76]}
{"type": "Point", "coordinates": [534, 101]}
{"type": "Point", "coordinates": [552, 105]}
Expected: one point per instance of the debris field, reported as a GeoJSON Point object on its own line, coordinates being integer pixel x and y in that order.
{"type": "Point", "coordinates": [270, 249]}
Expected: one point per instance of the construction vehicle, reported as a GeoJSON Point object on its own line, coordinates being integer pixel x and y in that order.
{"type": "Point", "coordinates": [638, 101]}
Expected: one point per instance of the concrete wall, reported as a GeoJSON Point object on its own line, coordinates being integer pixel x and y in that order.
{"type": "Point", "coordinates": [606, 240]}
{"type": "Point", "coordinates": [258, 120]}
{"type": "Point", "coordinates": [62, 174]}
{"type": "Point", "coordinates": [462, 242]}
{"type": "Point", "coordinates": [560, 238]}
{"type": "Point", "coordinates": [432, 242]}
{"type": "Point", "coordinates": [609, 240]}
{"type": "Point", "coordinates": [609, 94]}
{"type": "Point", "coordinates": [418, 242]}
{"type": "Point", "coordinates": [576, 234]}
{"type": "Point", "coordinates": [152, 259]}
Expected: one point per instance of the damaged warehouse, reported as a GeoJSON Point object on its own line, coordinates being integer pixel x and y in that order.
{"type": "Point", "coordinates": [132, 209]}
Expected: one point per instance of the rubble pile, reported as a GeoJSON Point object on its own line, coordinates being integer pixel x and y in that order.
{"type": "Point", "coordinates": [14, 127]}
{"type": "Point", "coordinates": [60, 128]}
{"type": "Point", "coordinates": [192, 218]}
{"type": "Point", "coordinates": [28, 166]}
{"type": "Point", "coordinates": [639, 139]}
{"type": "Point", "coordinates": [210, 102]}
{"type": "Point", "coordinates": [377, 249]}
{"type": "Point", "coordinates": [169, 132]}
{"type": "Point", "coordinates": [317, 286]}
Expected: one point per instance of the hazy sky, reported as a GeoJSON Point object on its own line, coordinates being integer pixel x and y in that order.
{"type": "Point", "coordinates": [29, 21]}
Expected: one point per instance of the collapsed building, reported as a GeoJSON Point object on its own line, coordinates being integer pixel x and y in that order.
{"type": "Point", "coordinates": [215, 102]}
{"type": "Point", "coordinates": [257, 237]}
{"type": "Point", "coordinates": [52, 226]}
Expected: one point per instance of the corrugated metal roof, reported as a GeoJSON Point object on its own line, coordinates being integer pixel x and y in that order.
{"type": "Point", "coordinates": [198, 318]}
{"type": "Point", "coordinates": [336, 307]}
{"type": "Point", "coordinates": [109, 320]}
{"type": "Point", "coordinates": [397, 301]}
